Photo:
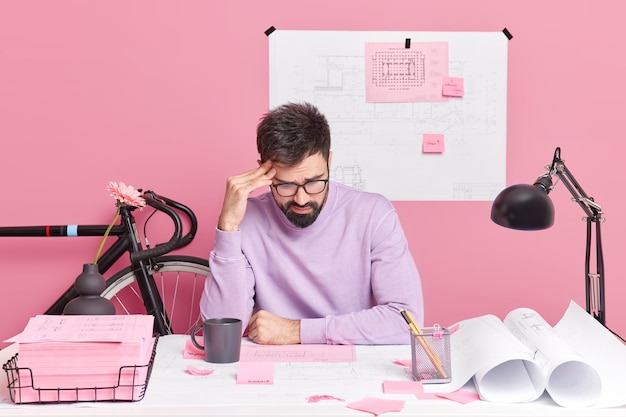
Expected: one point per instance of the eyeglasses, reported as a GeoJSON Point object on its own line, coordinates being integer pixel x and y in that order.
{"type": "Point", "coordinates": [289, 189]}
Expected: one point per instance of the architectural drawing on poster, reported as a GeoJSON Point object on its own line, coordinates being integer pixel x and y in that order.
{"type": "Point", "coordinates": [377, 146]}
{"type": "Point", "coordinates": [397, 74]}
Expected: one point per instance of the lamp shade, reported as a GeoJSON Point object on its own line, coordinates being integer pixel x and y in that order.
{"type": "Point", "coordinates": [523, 207]}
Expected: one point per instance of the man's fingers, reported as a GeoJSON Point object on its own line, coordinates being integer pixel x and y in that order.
{"type": "Point", "coordinates": [252, 179]}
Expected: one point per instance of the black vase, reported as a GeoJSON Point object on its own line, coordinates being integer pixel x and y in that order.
{"type": "Point", "coordinates": [89, 285]}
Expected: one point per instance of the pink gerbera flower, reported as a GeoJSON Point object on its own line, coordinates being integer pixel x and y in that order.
{"type": "Point", "coordinates": [124, 195]}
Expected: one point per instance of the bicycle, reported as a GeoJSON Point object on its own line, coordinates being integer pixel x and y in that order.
{"type": "Point", "coordinates": [161, 282]}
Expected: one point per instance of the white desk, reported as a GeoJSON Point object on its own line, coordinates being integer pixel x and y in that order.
{"type": "Point", "coordinates": [172, 391]}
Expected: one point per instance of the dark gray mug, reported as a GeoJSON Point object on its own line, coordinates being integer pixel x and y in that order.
{"type": "Point", "coordinates": [222, 339]}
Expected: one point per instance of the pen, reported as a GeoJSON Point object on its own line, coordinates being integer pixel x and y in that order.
{"type": "Point", "coordinates": [417, 334]}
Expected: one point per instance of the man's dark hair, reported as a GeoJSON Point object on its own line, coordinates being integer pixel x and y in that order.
{"type": "Point", "coordinates": [292, 132]}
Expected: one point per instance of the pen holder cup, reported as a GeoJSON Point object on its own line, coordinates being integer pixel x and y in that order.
{"type": "Point", "coordinates": [430, 356]}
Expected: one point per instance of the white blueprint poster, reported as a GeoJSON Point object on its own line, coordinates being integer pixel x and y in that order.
{"type": "Point", "coordinates": [379, 146]}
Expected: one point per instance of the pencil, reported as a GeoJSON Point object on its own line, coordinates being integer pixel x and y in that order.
{"type": "Point", "coordinates": [410, 322]}
{"type": "Point", "coordinates": [418, 331]}
{"type": "Point", "coordinates": [418, 335]}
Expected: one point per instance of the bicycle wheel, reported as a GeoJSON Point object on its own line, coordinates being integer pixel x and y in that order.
{"type": "Point", "coordinates": [180, 280]}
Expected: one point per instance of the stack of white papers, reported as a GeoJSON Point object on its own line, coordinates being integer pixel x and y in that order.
{"type": "Point", "coordinates": [83, 358]}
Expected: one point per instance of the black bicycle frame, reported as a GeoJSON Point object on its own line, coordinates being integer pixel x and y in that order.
{"type": "Point", "coordinates": [128, 241]}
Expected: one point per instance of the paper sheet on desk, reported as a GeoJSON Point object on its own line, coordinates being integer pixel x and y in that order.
{"type": "Point", "coordinates": [569, 379]}
{"type": "Point", "coordinates": [284, 353]}
{"type": "Point", "coordinates": [83, 357]}
{"type": "Point", "coordinates": [297, 353]}
{"type": "Point", "coordinates": [84, 328]}
{"type": "Point", "coordinates": [603, 351]}
{"type": "Point", "coordinates": [294, 382]}
{"type": "Point", "coordinates": [476, 349]}
{"type": "Point", "coordinates": [506, 370]}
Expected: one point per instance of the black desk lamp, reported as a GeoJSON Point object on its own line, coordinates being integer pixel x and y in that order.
{"type": "Point", "coordinates": [527, 207]}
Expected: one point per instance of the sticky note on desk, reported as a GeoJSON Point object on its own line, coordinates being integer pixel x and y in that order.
{"type": "Point", "coordinates": [432, 143]}
{"type": "Point", "coordinates": [377, 406]}
{"type": "Point", "coordinates": [408, 387]}
{"type": "Point", "coordinates": [256, 373]}
{"type": "Point", "coordinates": [402, 387]}
{"type": "Point", "coordinates": [462, 396]}
{"type": "Point", "coordinates": [192, 352]}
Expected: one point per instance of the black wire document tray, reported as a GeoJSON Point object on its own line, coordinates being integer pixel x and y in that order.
{"type": "Point", "coordinates": [131, 385]}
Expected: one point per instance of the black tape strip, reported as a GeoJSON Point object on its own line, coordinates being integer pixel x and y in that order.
{"type": "Point", "coordinates": [269, 31]}
{"type": "Point", "coordinates": [507, 33]}
{"type": "Point", "coordinates": [407, 43]}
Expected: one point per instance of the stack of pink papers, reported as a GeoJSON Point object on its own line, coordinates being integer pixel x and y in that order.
{"type": "Point", "coordinates": [83, 358]}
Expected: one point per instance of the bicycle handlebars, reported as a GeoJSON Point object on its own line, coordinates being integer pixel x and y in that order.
{"type": "Point", "coordinates": [171, 208]}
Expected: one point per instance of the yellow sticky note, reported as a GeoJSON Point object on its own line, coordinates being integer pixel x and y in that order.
{"type": "Point", "coordinates": [433, 143]}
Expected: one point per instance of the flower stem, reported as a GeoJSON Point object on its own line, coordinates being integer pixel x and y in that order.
{"type": "Point", "coordinates": [106, 234]}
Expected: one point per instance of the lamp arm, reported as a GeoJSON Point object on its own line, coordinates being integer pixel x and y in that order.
{"type": "Point", "coordinates": [594, 282]}
{"type": "Point", "coordinates": [592, 209]}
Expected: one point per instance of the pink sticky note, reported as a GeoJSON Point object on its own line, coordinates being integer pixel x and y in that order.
{"type": "Point", "coordinates": [432, 143]}
{"type": "Point", "coordinates": [256, 373]}
{"type": "Point", "coordinates": [318, 398]}
{"type": "Point", "coordinates": [377, 406]}
{"type": "Point", "coordinates": [403, 362]}
{"type": "Point", "coordinates": [192, 352]}
{"type": "Point", "coordinates": [453, 87]}
{"type": "Point", "coordinates": [454, 328]}
{"type": "Point", "coordinates": [297, 353]}
{"type": "Point", "coordinates": [402, 387]}
{"type": "Point", "coordinates": [462, 396]}
{"type": "Point", "coordinates": [198, 371]}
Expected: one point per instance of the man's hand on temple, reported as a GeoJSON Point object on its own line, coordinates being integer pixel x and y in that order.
{"type": "Point", "coordinates": [238, 189]}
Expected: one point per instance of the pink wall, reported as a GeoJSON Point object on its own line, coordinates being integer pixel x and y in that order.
{"type": "Point", "coordinates": [166, 95]}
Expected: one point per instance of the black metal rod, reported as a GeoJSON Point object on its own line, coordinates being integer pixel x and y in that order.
{"type": "Point", "coordinates": [588, 278]}
{"type": "Point", "coordinates": [149, 291]}
{"type": "Point", "coordinates": [594, 281]}
{"type": "Point", "coordinates": [600, 279]}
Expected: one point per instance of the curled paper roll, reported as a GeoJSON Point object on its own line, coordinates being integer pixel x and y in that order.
{"type": "Point", "coordinates": [574, 384]}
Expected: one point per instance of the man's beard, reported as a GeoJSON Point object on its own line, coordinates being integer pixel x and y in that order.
{"type": "Point", "coordinates": [302, 220]}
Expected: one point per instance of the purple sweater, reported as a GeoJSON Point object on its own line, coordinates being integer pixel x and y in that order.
{"type": "Point", "coordinates": [345, 277]}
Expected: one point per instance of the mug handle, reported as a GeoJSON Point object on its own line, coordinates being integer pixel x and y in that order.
{"type": "Point", "coordinates": [194, 330]}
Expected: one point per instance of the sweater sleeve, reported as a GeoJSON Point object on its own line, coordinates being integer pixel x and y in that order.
{"type": "Point", "coordinates": [229, 288]}
{"type": "Point", "coordinates": [395, 285]}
